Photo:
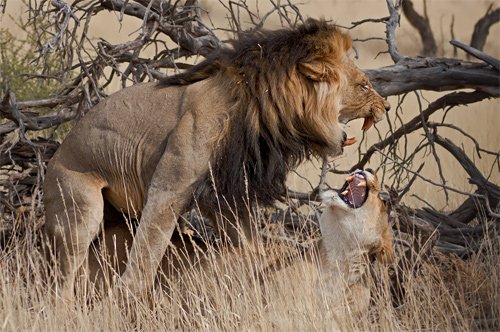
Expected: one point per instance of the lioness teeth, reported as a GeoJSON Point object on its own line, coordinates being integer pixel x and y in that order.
{"type": "Point", "coordinates": [368, 123]}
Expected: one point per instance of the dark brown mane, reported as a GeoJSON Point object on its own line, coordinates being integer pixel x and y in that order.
{"type": "Point", "coordinates": [283, 48]}
{"type": "Point", "coordinates": [279, 117]}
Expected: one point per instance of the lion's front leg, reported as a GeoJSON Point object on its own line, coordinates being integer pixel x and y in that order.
{"type": "Point", "coordinates": [182, 165]}
{"type": "Point", "coordinates": [152, 238]}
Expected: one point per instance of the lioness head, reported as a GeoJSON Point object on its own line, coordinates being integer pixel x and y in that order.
{"type": "Point", "coordinates": [360, 213]}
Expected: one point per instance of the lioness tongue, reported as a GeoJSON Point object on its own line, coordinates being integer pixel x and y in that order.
{"type": "Point", "coordinates": [356, 190]}
{"type": "Point", "coordinates": [368, 123]}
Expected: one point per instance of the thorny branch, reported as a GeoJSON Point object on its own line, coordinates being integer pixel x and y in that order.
{"type": "Point", "coordinates": [167, 32]}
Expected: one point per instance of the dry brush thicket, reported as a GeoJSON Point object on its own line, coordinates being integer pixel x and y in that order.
{"type": "Point", "coordinates": [169, 31]}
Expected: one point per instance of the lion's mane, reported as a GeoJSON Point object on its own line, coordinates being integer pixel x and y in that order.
{"type": "Point", "coordinates": [283, 86]}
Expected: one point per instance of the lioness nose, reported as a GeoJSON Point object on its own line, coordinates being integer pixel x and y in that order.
{"type": "Point", "coordinates": [344, 136]}
{"type": "Point", "coordinates": [387, 106]}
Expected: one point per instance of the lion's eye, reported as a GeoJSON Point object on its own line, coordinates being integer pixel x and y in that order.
{"type": "Point", "coordinates": [365, 86]}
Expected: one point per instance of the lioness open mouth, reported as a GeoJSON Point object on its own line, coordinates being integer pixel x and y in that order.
{"type": "Point", "coordinates": [355, 190]}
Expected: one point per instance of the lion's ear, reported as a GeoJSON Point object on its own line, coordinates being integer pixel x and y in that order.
{"type": "Point", "coordinates": [346, 42]}
{"type": "Point", "coordinates": [315, 70]}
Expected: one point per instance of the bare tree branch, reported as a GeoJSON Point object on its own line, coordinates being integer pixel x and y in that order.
{"type": "Point", "coordinates": [437, 74]}
{"type": "Point", "coordinates": [492, 191]}
{"type": "Point", "coordinates": [423, 27]}
{"type": "Point", "coordinates": [495, 63]}
{"type": "Point", "coordinates": [482, 28]}
{"type": "Point", "coordinates": [391, 25]}
{"type": "Point", "coordinates": [450, 100]}
{"type": "Point", "coordinates": [179, 32]}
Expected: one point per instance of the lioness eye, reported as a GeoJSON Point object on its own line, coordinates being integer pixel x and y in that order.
{"type": "Point", "coordinates": [365, 87]}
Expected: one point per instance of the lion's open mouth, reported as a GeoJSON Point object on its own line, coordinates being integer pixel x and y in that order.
{"type": "Point", "coordinates": [355, 190]}
{"type": "Point", "coordinates": [367, 124]}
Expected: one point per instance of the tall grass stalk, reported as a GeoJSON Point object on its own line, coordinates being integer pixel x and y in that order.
{"type": "Point", "coordinates": [228, 292]}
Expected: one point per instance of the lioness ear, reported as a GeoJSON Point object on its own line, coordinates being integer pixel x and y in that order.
{"type": "Point", "coordinates": [384, 196]}
{"type": "Point", "coordinates": [315, 70]}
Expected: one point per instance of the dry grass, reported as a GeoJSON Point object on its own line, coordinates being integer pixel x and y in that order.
{"type": "Point", "coordinates": [435, 293]}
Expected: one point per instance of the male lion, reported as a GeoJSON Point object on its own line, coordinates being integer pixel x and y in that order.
{"type": "Point", "coordinates": [225, 133]}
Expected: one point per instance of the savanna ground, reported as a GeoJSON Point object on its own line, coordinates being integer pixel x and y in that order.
{"type": "Point", "coordinates": [424, 290]}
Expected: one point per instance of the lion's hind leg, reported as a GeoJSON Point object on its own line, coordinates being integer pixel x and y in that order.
{"type": "Point", "coordinates": [74, 212]}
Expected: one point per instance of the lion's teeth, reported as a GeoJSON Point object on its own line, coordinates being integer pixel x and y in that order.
{"type": "Point", "coordinates": [362, 184]}
{"type": "Point", "coordinates": [350, 141]}
{"type": "Point", "coordinates": [368, 123]}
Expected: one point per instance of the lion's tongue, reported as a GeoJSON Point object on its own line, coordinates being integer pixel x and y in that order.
{"type": "Point", "coordinates": [368, 123]}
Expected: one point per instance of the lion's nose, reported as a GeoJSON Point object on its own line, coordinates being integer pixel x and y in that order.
{"type": "Point", "coordinates": [344, 136]}
{"type": "Point", "coordinates": [387, 106]}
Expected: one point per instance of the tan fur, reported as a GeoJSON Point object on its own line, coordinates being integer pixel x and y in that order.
{"type": "Point", "coordinates": [351, 239]}
{"type": "Point", "coordinates": [225, 134]}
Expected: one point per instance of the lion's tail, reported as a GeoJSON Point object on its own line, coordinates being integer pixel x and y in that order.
{"type": "Point", "coordinates": [199, 72]}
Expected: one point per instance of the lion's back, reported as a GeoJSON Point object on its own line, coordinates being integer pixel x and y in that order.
{"type": "Point", "coordinates": [122, 137]}
{"type": "Point", "coordinates": [142, 112]}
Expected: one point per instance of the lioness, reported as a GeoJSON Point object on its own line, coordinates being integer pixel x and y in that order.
{"type": "Point", "coordinates": [224, 134]}
{"type": "Point", "coordinates": [333, 277]}
{"type": "Point", "coordinates": [354, 231]}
